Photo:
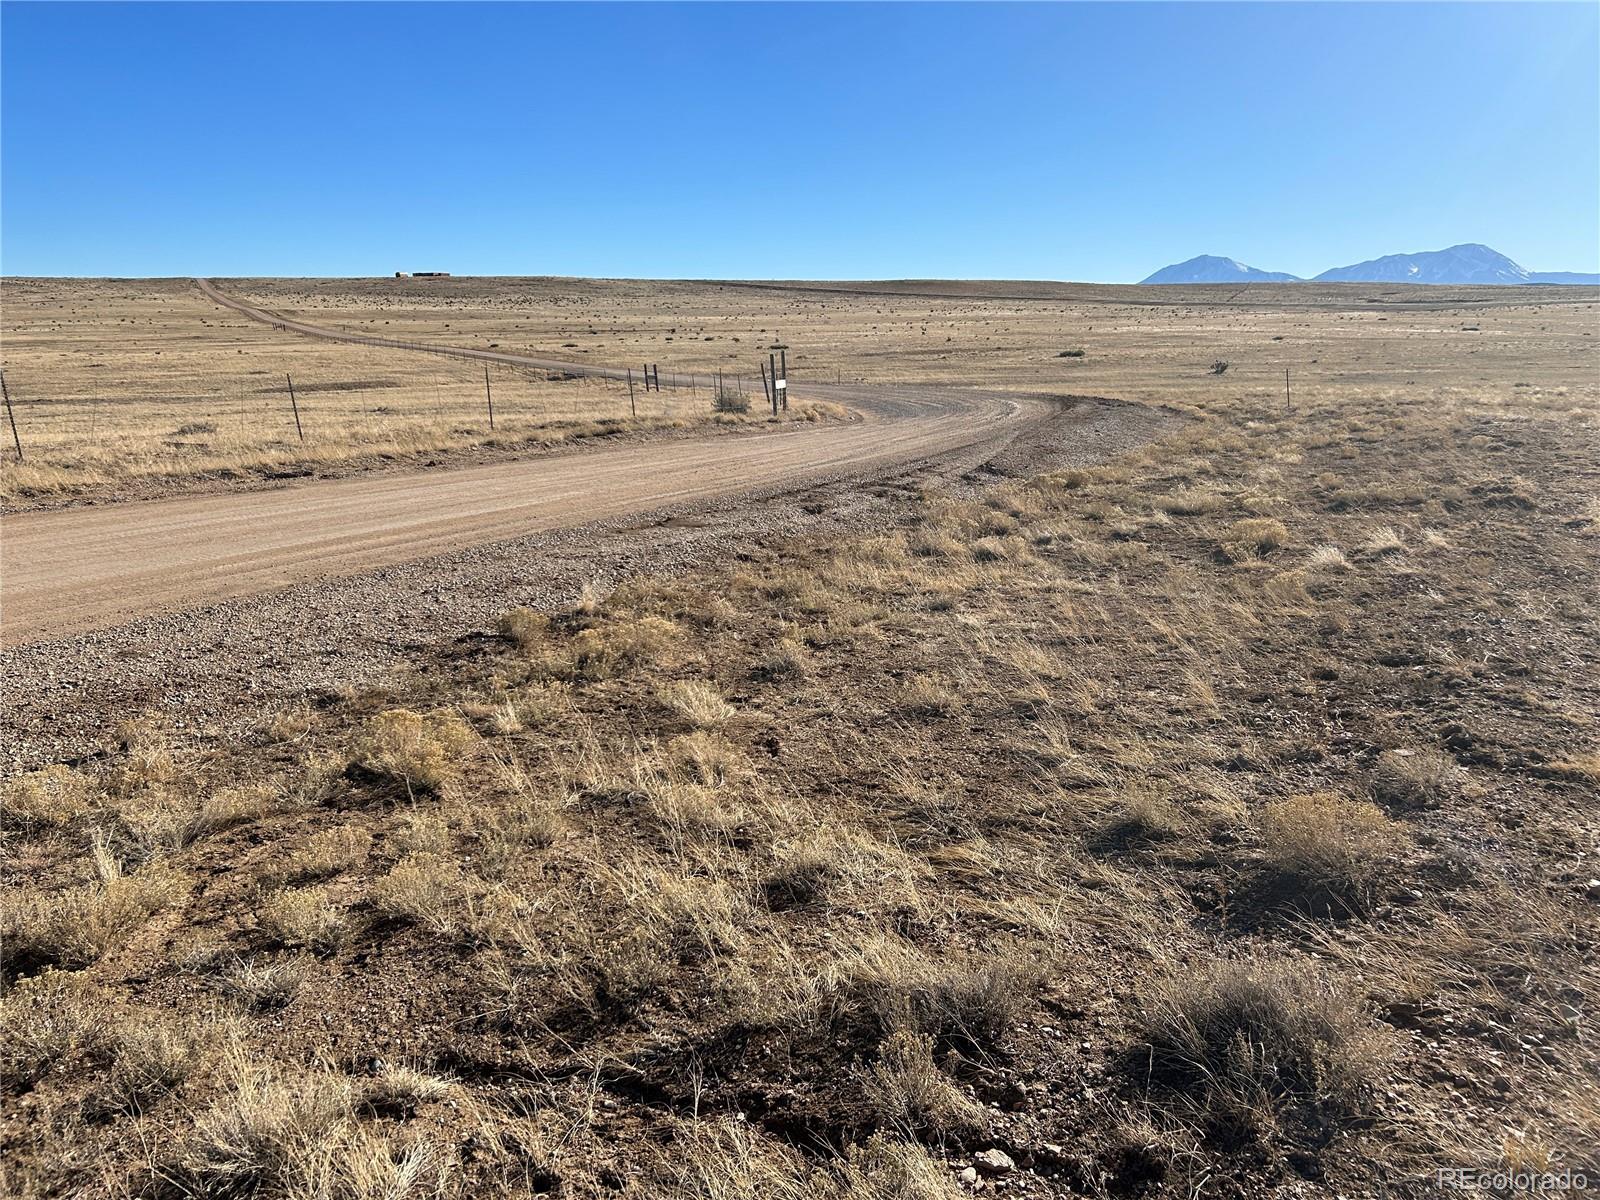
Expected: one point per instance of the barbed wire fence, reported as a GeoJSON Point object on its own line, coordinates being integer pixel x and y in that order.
{"type": "Point", "coordinates": [55, 414]}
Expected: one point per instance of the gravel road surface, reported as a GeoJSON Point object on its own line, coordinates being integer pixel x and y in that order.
{"type": "Point", "coordinates": [213, 606]}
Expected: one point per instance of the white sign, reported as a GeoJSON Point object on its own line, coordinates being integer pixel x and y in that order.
{"type": "Point", "coordinates": [782, 383]}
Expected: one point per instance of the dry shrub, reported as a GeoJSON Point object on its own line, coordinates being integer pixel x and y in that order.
{"type": "Point", "coordinates": [1415, 778]}
{"type": "Point", "coordinates": [47, 799]}
{"type": "Point", "coordinates": [926, 696]}
{"type": "Point", "coordinates": [689, 811]}
{"type": "Point", "coordinates": [425, 888]}
{"type": "Point", "coordinates": [1145, 811]}
{"type": "Point", "coordinates": [831, 865]}
{"type": "Point", "coordinates": [968, 1004]}
{"type": "Point", "coordinates": [1383, 540]}
{"type": "Point", "coordinates": [885, 1169]}
{"type": "Point", "coordinates": [1328, 843]}
{"type": "Point", "coordinates": [1287, 590]}
{"type": "Point", "coordinates": [269, 1134]}
{"type": "Point", "coordinates": [1580, 768]}
{"type": "Point", "coordinates": [289, 724]}
{"type": "Point", "coordinates": [435, 894]}
{"type": "Point", "coordinates": [1250, 1043]}
{"type": "Point", "coordinates": [532, 819]}
{"type": "Point", "coordinates": [147, 761]}
{"type": "Point", "coordinates": [697, 702]}
{"type": "Point", "coordinates": [909, 1095]}
{"type": "Point", "coordinates": [707, 758]}
{"type": "Point", "coordinates": [996, 549]}
{"type": "Point", "coordinates": [605, 651]}
{"type": "Point", "coordinates": [55, 1016]}
{"type": "Point", "coordinates": [423, 751]}
{"type": "Point", "coordinates": [1255, 536]}
{"type": "Point", "coordinates": [1327, 558]}
{"type": "Point", "coordinates": [398, 1090]}
{"type": "Point", "coordinates": [319, 777]}
{"type": "Point", "coordinates": [805, 875]}
{"type": "Point", "coordinates": [1191, 503]}
{"type": "Point", "coordinates": [305, 918]}
{"type": "Point", "coordinates": [263, 986]}
{"type": "Point", "coordinates": [153, 1055]}
{"type": "Point", "coordinates": [728, 1160]}
{"type": "Point", "coordinates": [78, 927]}
{"type": "Point", "coordinates": [329, 851]}
{"type": "Point", "coordinates": [934, 543]}
{"type": "Point", "coordinates": [787, 660]}
{"type": "Point", "coordinates": [527, 628]}
{"type": "Point", "coordinates": [160, 829]}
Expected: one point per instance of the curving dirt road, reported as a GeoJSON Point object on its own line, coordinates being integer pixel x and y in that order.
{"type": "Point", "coordinates": [68, 571]}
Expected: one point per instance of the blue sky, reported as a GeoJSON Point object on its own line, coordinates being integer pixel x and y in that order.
{"type": "Point", "coordinates": [1082, 141]}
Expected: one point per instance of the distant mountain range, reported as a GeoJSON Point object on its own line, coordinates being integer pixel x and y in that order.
{"type": "Point", "coordinates": [1469, 263]}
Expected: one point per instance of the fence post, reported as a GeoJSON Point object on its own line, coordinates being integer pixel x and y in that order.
{"type": "Point", "coordinates": [488, 396]}
{"type": "Point", "coordinates": [634, 407]}
{"type": "Point", "coordinates": [772, 366]}
{"type": "Point", "coordinates": [784, 354]}
{"type": "Point", "coordinates": [295, 404]}
{"type": "Point", "coordinates": [11, 416]}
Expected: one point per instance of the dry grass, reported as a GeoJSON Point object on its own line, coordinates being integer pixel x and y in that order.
{"type": "Point", "coordinates": [1325, 842]}
{"type": "Point", "coordinates": [697, 702]}
{"type": "Point", "coordinates": [78, 927]}
{"type": "Point", "coordinates": [1256, 1046]}
{"type": "Point", "coordinates": [423, 751]}
{"type": "Point", "coordinates": [1415, 778]}
{"type": "Point", "coordinates": [535, 919]}
{"type": "Point", "coordinates": [911, 1096]}
{"type": "Point", "coordinates": [305, 918]}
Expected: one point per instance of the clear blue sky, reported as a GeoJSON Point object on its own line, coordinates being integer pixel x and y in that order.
{"type": "Point", "coordinates": [1093, 142]}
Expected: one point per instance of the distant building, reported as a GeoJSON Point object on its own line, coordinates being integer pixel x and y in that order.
{"type": "Point", "coordinates": [422, 275]}
{"type": "Point", "coordinates": [402, 275]}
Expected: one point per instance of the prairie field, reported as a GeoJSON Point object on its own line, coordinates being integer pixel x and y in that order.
{"type": "Point", "coordinates": [143, 388]}
{"type": "Point", "coordinates": [1217, 820]}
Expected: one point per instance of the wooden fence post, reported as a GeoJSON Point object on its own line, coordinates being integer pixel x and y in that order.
{"type": "Point", "coordinates": [631, 403]}
{"type": "Point", "coordinates": [488, 395]}
{"type": "Point", "coordinates": [11, 416]}
{"type": "Point", "coordinates": [784, 363]}
{"type": "Point", "coordinates": [295, 404]}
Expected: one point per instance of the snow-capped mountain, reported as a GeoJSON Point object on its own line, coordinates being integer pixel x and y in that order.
{"type": "Point", "coordinates": [1467, 263]}
{"type": "Point", "coordinates": [1208, 268]}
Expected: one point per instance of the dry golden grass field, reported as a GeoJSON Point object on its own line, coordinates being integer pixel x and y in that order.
{"type": "Point", "coordinates": [1219, 821]}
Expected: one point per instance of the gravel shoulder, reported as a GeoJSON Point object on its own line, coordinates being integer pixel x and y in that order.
{"type": "Point", "coordinates": [265, 608]}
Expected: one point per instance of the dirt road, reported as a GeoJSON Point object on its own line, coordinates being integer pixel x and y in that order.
{"type": "Point", "coordinates": [74, 570]}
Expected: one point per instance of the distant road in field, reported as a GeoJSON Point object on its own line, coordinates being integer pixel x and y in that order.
{"type": "Point", "coordinates": [72, 570]}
